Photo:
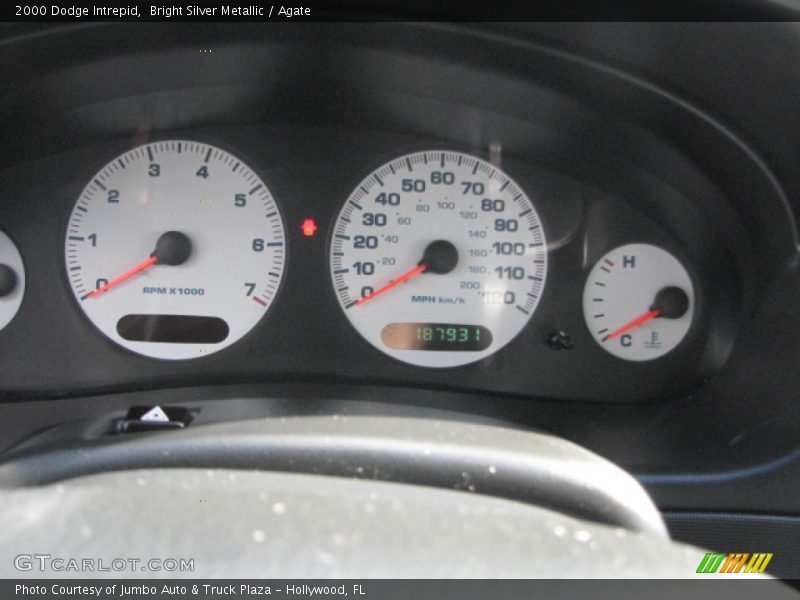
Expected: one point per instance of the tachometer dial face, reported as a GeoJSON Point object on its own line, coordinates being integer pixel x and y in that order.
{"type": "Point", "coordinates": [438, 258]}
{"type": "Point", "coordinates": [12, 280]}
{"type": "Point", "coordinates": [638, 302]}
{"type": "Point", "coordinates": [175, 249]}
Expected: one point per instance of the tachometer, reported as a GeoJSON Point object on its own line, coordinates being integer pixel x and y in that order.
{"type": "Point", "coordinates": [438, 258]}
{"type": "Point", "coordinates": [175, 249]}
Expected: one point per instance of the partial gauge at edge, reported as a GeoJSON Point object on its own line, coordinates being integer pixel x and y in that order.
{"type": "Point", "coordinates": [438, 259]}
{"type": "Point", "coordinates": [12, 280]}
{"type": "Point", "coordinates": [175, 249]}
{"type": "Point", "coordinates": [638, 302]}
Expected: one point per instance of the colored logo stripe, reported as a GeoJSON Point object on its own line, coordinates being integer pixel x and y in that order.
{"type": "Point", "coordinates": [710, 562]}
{"type": "Point", "coordinates": [734, 563]}
{"type": "Point", "coordinates": [714, 562]}
{"type": "Point", "coordinates": [758, 563]}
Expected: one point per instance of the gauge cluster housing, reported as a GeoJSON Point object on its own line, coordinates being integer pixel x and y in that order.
{"type": "Point", "coordinates": [306, 335]}
{"type": "Point", "coordinates": [608, 155]}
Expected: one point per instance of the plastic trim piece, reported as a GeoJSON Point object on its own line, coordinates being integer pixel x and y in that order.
{"type": "Point", "coordinates": [530, 467]}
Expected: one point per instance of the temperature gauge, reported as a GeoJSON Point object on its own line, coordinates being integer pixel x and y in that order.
{"type": "Point", "coordinates": [638, 302]}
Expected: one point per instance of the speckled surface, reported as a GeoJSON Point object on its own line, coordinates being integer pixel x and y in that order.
{"type": "Point", "coordinates": [261, 524]}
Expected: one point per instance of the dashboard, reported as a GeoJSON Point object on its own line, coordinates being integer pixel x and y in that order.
{"type": "Point", "coordinates": [255, 297]}
{"type": "Point", "coordinates": [534, 225]}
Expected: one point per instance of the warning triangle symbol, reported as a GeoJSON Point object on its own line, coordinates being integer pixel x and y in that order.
{"type": "Point", "coordinates": [154, 414]}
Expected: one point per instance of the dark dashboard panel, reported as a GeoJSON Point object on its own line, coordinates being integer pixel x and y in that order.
{"type": "Point", "coordinates": [312, 119]}
{"type": "Point", "coordinates": [609, 156]}
{"type": "Point", "coordinates": [305, 334]}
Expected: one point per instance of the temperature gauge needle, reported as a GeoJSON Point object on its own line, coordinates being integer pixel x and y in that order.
{"type": "Point", "coordinates": [172, 248]}
{"type": "Point", "coordinates": [405, 277]}
{"type": "Point", "coordinates": [670, 303]}
{"type": "Point", "coordinates": [652, 314]}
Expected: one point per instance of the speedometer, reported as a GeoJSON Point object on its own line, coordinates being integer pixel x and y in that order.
{"type": "Point", "coordinates": [438, 258]}
{"type": "Point", "coordinates": [175, 249]}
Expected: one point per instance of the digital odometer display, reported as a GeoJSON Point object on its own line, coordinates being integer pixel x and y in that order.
{"type": "Point", "coordinates": [438, 258]}
{"type": "Point", "coordinates": [436, 336]}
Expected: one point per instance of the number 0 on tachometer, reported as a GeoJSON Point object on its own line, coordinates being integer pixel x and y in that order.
{"type": "Point", "coordinates": [438, 259]}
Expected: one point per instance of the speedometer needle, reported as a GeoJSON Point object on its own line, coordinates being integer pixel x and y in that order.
{"type": "Point", "coordinates": [395, 282]}
{"type": "Point", "coordinates": [440, 257]}
{"type": "Point", "coordinates": [172, 248]}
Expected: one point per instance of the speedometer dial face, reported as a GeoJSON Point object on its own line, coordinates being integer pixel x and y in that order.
{"type": "Point", "coordinates": [175, 249]}
{"type": "Point", "coordinates": [438, 258]}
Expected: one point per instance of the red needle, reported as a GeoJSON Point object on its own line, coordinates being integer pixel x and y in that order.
{"type": "Point", "coordinates": [634, 324]}
{"type": "Point", "coordinates": [405, 277]}
{"type": "Point", "coordinates": [127, 274]}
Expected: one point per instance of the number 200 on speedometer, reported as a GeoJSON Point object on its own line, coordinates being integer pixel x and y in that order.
{"type": "Point", "coordinates": [438, 258]}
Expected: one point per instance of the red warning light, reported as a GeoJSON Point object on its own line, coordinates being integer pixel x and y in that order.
{"type": "Point", "coordinates": [309, 227]}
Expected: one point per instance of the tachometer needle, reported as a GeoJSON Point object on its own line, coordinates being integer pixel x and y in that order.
{"type": "Point", "coordinates": [126, 275]}
{"type": "Point", "coordinates": [395, 282]}
{"type": "Point", "coordinates": [172, 248]}
{"type": "Point", "coordinates": [652, 314]}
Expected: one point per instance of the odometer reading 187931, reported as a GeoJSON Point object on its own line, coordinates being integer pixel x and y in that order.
{"type": "Point", "coordinates": [175, 249]}
{"type": "Point", "coordinates": [438, 258]}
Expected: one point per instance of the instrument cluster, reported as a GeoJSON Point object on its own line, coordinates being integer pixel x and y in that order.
{"type": "Point", "coordinates": [447, 267]}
